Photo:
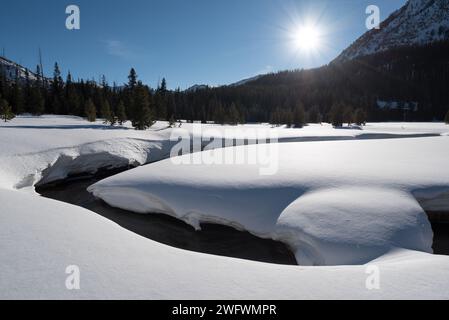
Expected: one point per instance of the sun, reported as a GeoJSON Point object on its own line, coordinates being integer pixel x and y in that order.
{"type": "Point", "coordinates": [307, 38]}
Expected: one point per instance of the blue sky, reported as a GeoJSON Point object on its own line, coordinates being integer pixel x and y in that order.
{"type": "Point", "coordinates": [187, 41]}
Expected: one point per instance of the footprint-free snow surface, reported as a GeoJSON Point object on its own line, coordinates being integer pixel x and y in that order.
{"type": "Point", "coordinates": [334, 203]}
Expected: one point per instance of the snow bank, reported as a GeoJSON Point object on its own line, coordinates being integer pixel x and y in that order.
{"type": "Point", "coordinates": [48, 148]}
{"type": "Point", "coordinates": [323, 194]}
{"type": "Point", "coordinates": [347, 225]}
{"type": "Point", "coordinates": [37, 246]}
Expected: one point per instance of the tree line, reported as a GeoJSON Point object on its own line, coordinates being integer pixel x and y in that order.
{"type": "Point", "coordinates": [338, 93]}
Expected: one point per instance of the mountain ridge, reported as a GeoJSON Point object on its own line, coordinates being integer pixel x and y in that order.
{"type": "Point", "coordinates": [418, 22]}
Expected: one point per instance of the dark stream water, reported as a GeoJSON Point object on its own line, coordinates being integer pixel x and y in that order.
{"type": "Point", "coordinates": [212, 239]}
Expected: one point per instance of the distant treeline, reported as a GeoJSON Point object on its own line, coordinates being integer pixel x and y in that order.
{"type": "Point", "coordinates": [346, 92]}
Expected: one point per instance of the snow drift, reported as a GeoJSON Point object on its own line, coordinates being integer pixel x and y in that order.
{"type": "Point", "coordinates": [345, 202]}
{"type": "Point", "coordinates": [43, 237]}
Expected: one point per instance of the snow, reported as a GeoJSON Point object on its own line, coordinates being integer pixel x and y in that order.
{"type": "Point", "coordinates": [40, 238]}
{"type": "Point", "coordinates": [361, 188]}
{"type": "Point", "coordinates": [48, 148]}
{"type": "Point", "coordinates": [418, 22]}
{"type": "Point", "coordinates": [38, 246]}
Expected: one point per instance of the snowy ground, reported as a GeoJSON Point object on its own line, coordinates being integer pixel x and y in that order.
{"type": "Point", "coordinates": [39, 238]}
{"type": "Point", "coordinates": [340, 202]}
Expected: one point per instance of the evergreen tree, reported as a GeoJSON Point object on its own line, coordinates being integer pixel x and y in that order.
{"type": "Point", "coordinates": [314, 115]}
{"type": "Point", "coordinates": [288, 117]}
{"type": "Point", "coordinates": [142, 115]}
{"type": "Point", "coordinates": [276, 117]}
{"type": "Point", "coordinates": [446, 119]}
{"type": "Point", "coordinates": [56, 91]}
{"type": "Point", "coordinates": [121, 113]}
{"type": "Point", "coordinates": [161, 100]}
{"type": "Point", "coordinates": [37, 101]}
{"type": "Point", "coordinates": [57, 83]}
{"type": "Point", "coordinates": [233, 115]}
{"type": "Point", "coordinates": [172, 121]}
{"type": "Point", "coordinates": [299, 116]}
{"type": "Point", "coordinates": [90, 111]}
{"type": "Point", "coordinates": [219, 113]}
{"type": "Point", "coordinates": [132, 79]}
{"type": "Point", "coordinates": [17, 97]}
{"type": "Point", "coordinates": [359, 116]}
{"type": "Point", "coordinates": [336, 115]}
{"type": "Point", "coordinates": [5, 110]}
{"type": "Point", "coordinates": [348, 115]}
{"type": "Point", "coordinates": [107, 113]}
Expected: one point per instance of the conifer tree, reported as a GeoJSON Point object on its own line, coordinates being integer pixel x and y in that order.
{"type": "Point", "coordinates": [5, 110]}
{"type": "Point", "coordinates": [336, 115]}
{"type": "Point", "coordinates": [233, 115]}
{"type": "Point", "coordinates": [107, 113]}
{"type": "Point", "coordinates": [142, 115]}
{"type": "Point", "coordinates": [314, 115]}
{"type": "Point", "coordinates": [299, 116]}
{"type": "Point", "coordinates": [121, 113]}
{"type": "Point", "coordinates": [446, 119]}
{"type": "Point", "coordinates": [132, 79]}
{"type": "Point", "coordinates": [348, 115]}
{"type": "Point", "coordinates": [172, 121]}
{"type": "Point", "coordinates": [90, 111]}
{"type": "Point", "coordinates": [36, 101]}
{"type": "Point", "coordinates": [17, 97]}
{"type": "Point", "coordinates": [359, 117]}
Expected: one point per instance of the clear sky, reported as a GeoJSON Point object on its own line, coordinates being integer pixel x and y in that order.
{"type": "Point", "coordinates": [187, 41]}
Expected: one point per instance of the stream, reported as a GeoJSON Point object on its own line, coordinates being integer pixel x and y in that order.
{"type": "Point", "coordinates": [212, 239]}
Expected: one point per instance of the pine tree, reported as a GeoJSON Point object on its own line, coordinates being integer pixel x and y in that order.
{"type": "Point", "coordinates": [18, 103]}
{"type": "Point", "coordinates": [233, 115]}
{"type": "Point", "coordinates": [121, 113]}
{"type": "Point", "coordinates": [288, 117]}
{"type": "Point", "coordinates": [132, 79]}
{"type": "Point", "coordinates": [5, 110]}
{"type": "Point", "coordinates": [172, 121]}
{"type": "Point", "coordinates": [446, 119]}
{"type": "Point", "coordinates": [37, 101]}
{"type": "Point", "coordinates": [359, 116]}
{"type": "Point", "coordinates": [90, 111]}
{"type": "Point", "coordinates": [107, 114]}
{"type": "Point", "coordinates": [348, 115]}
{"type": "Point", "coordinates": [314, 115]}
{"type": "Point", "coordinates": [336, 115]}
{"type": "Point", "coordinates": [299, 116]}
{"type": "Point", "coordinates": [142, 115]}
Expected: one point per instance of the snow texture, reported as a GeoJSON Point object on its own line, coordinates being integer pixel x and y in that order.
{"type": "Point", "coordinates": [418, 22]}
{"type": "Point", "coordinates": [333, 203]}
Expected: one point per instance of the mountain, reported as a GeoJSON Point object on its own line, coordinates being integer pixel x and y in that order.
{"type": "Point", "coordinates": [245, 81]}
{"type": "Point", "coordinates": [12, 70]}
{"type": "Point", "coordinates": [196, 87]}
{"type": "Point", "coordinates": [418, 22]}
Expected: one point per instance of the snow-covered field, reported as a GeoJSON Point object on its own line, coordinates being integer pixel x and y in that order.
{"type": "Point", "coordinates": [334, 202]}
{"type": "Point", "coordinates": [340, 202]}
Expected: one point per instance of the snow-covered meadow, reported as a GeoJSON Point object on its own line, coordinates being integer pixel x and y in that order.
{"type": "Point", "coordinates": [354, 203]}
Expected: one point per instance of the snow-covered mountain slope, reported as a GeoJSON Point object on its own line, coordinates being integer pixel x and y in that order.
{"type": "Point", "coordinates": [196, 88]}
{"type": "Point", "coordinates": [245, 81]}
{"type": "Point", "coordinates": [418, 22]}
{"type": "Point", "coordinates": [12, 70]}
